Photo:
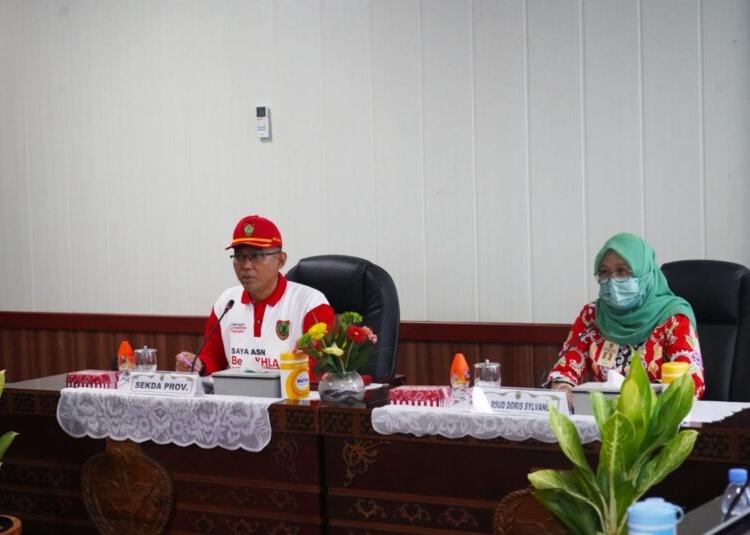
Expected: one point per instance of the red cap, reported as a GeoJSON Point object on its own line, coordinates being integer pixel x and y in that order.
{"type": "Point", "coordinates": [255, 231]}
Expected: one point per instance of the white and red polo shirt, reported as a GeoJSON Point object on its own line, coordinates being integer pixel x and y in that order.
{"type": "Point", "coordinates": [262, 330]}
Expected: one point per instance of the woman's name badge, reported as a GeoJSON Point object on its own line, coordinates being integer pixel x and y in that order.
{"type": "Point", "coordinates": [609, 353]}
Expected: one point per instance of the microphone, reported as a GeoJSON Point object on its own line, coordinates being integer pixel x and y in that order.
{"type": "Point", "coordinates": [230, 304]}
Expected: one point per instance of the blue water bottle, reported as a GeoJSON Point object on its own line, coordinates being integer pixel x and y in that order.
{"type": "Point", "coordinates": [653, 516]}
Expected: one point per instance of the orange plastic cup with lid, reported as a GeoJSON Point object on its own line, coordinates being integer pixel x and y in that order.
{"type": "Point", "coordinates": [459, 375]}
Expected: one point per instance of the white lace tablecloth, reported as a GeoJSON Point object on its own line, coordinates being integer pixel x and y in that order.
{"type": "Point", "coordinates": [713, 411]}
{"type": "Point", "coordinates": [457, 423]}
{"type": "Point", "coordinates": [230, 422]}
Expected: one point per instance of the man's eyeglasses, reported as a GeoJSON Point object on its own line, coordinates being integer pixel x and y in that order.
{"type": "Point", "coordinates": [603, 276]}
{"type": "Point", "coordinates": [254, 257]}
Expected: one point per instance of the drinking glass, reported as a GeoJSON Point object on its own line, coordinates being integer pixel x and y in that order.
{"type": "Point", "coordinates": [487, 374]}
{"type": "Point", "coordinates": [145, 359]}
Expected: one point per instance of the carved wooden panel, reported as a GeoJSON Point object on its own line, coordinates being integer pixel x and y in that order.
{"type": "Point", "coordinates": [126, 491]}
{"type": "Point", "coordinates": [519, 513]}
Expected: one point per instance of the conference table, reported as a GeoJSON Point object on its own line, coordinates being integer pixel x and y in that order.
{"type": "Point", "coordinates": [371, 468]}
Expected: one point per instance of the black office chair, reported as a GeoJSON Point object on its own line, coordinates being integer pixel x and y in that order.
{"type": "Point", "coordinates": [356, 284]}
{"type": "Point", "coordinates": [719, 293]}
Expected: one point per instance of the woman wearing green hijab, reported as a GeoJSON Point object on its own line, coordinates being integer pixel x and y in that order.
{"type": "Point", "coordinates": [636, 312]}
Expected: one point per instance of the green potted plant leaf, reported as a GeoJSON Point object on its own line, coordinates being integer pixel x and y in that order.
{"type": "Point", "coordinates": [8, 437]}
{"type": "Point", "coordinates": [7, 524]}
{"type": "Point", "coordinates": [641, 444]}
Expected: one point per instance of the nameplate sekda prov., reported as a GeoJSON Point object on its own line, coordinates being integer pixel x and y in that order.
{"type": "Point", "coordinates": [163, 384]}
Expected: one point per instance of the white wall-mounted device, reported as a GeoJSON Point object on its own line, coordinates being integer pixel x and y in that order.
{"type": "Point", "coordinates": [263, 122]}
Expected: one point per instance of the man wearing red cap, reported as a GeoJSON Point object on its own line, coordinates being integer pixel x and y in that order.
{"type": "Point", "coordinates": [266, 314]}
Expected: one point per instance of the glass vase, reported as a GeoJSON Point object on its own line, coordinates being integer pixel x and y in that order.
{"type": "Point", "coordinates": [346, 388]}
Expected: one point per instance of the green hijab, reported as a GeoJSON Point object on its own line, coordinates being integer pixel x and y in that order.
{"type": "Point", "coordinates": [658, 304]}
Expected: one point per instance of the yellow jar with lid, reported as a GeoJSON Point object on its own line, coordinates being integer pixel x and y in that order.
{"type": "Point", "coordinates": [671, 371]}
{"type": "Point", "coordinates": [295, 375]}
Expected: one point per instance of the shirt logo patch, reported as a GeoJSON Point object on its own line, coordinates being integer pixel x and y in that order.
{"type": "Point", "coordinates": [282, 329]}
{"type": "Point", "coordinates": [238, 327]}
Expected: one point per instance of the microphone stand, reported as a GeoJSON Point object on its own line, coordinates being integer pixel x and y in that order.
{"type": "Point", "coordinates": [230, 304]}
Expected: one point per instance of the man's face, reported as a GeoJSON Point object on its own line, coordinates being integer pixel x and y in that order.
{"type": "Point", "coordinates": [258, 269]}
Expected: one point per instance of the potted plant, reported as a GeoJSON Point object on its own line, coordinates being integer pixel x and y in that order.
{"type": "Point", "coordinates": [339, 353]}
{"type": "Point", "coordinates": [8, 524]}
{"type": "Point", "coordinates": [641, 444]}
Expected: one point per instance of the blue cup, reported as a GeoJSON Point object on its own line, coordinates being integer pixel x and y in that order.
{"type": "Point", "coordinates": [653, 516]}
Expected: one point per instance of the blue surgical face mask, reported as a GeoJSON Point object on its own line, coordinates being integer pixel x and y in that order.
{"type": "Point", "coordinates": [621, 294]}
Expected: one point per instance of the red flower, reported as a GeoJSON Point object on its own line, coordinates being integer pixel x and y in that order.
{"type": "Point", "coordinates": [356, 334]}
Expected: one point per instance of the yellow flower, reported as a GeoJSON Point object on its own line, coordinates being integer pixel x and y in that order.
{"type": "Point", "coordinates": [318, 331]}
{"type": "Point", "coordinates": [342, 346]}
{"type": "Point", "coordinates": [334, 350]}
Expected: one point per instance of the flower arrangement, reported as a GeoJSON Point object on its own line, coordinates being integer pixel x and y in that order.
{"type": "Point", "coordinates": [345, 348]}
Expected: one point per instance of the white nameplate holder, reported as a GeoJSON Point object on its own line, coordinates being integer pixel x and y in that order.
{"type": "Point", "coordinates": [158, 383]}
{"type": "Point", "coordinates": [519, 402]}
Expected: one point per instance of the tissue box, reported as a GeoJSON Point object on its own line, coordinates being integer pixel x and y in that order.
{"type": "Point", "coordinates": [422, 396]}
{"type": "Point", "coordinates": [92, 379]}
{"type": "Point", "coordinates": [582, 394]}
{"type": "Point", "coordinates": [233, 382]}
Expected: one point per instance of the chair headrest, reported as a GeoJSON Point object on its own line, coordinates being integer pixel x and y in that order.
{"type": "Point", "coordinates": [714, 288]}
{"type": "Point", "coordinates": [349, 283]}
{"type": "Point", "coordinates": [356, 284]}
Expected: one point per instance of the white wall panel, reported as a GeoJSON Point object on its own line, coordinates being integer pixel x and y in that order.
{"type": "Point", "coordinates": [613, 125]}
{"type": "Point", "coordinates": [449, 167]}
{"type": "Point", "coordinates": [399, 216]}
{"type": "Point", "coordinates": [298, 119]}
{"type": "Point", "coordinates": [155, 148]}
{"type": "Point", "coordinates": [82, 129]}
{"type": "Point", "coordinates": [194, 70]}
{"type": "Point", "coordinates": [726, 93]}
{"type": "Point", "coordinates": [229, 164]}
{"type": "Point", "coordinates": [673, 159]}
{"type": "Point", "coordinates": [17, 286]}
{"type": "Point", "coordinates": [347, 127]}
{"type": "Point", "coordinates": [48, 89]}
{"type": "Point", "coordinates": [502, 158]}
{"type": "Point", "coordinates": [480, 151]}
{"type": "Point", "coordinates": [556, 167]}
